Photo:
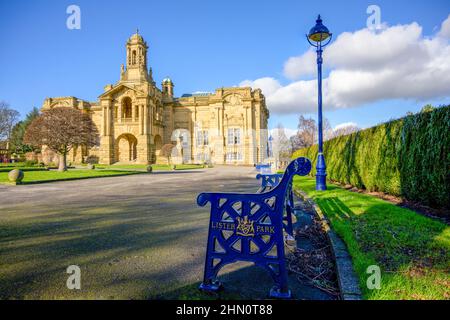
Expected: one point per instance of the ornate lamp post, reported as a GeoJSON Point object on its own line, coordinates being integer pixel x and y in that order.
{"type": "Point", "coordinates": [316, 37]}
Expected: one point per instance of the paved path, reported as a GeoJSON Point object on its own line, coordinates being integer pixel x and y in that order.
{"type": "Point", "coordinates": [134, 237]}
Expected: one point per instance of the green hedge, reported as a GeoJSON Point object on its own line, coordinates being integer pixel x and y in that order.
{"type": "Point", "coordinates": [408, 157]}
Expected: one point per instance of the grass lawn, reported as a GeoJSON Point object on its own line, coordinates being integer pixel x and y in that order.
{"type": "Point", "coordinates": [412, 251]}
{"type": "Point", "coordinates": [16, 164]}
{"type": "Point", "coordinates": [71, 174]}
{"type": "Point", "coordinates": [154, 166]}
{"type": "Point", "coordinates": [8, 169]}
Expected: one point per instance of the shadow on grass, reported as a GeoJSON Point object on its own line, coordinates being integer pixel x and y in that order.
{"type": "Point", "coordinates": [411, 250]}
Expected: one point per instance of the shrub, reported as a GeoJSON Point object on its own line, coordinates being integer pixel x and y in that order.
{"type": "Point", "coordinates": [409, 157]}
{"type": "Point", "coordinates": [30, 163]}
{"type": "Point", "coordinates": [92, 159]}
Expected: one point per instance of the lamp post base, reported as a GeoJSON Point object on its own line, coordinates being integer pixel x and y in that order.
{"type": "Point", "coordinates": [321, 175]}
{"type": "Point", "coordinates": [321, 183]}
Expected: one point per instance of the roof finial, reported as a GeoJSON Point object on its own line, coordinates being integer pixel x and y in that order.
{"type": "Point", "coordinates": [137, 30]}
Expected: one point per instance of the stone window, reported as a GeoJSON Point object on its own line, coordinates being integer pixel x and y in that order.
{"type": "Point", "coordinates": [234, 156]}
{"type": "Point", "coordinates": [234, 136]}
{"type": "Point", "coordinates": [202, 138]}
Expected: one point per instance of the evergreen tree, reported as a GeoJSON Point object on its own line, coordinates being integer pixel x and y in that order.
{"type": "Point", "coordinates": [18, 131]}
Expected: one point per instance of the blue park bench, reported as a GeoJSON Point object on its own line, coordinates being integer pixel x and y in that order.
{"type": "Point", "coordinates": [263, 167]}
{"type": "Point", "coordinates": [249, 227]}
{"type": "Point", "coordinates": [270, 181]}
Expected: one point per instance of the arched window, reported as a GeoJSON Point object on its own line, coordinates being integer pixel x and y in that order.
{"type": "Point", "coordinates": [133, 59]}
{"type": "Point", "coordinates": [126, 108]}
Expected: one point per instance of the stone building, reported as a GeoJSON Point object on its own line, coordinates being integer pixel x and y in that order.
{"type": "Point", "coordinates": [135, 119]}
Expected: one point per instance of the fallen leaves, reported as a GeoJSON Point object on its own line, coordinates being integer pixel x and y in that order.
{"type": "Point", "coordinates": [315, 266]}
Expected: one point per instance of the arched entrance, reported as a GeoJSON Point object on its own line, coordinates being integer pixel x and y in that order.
{"type": "Point", "coordinates": [158, 145]}
{"type": "Point", "coordinates": [126, 148]}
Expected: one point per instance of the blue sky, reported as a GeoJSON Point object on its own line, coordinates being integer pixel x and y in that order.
{"type": "Point", "coordinates": [201, 45]}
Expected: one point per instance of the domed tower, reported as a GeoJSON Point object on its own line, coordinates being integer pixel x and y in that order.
{"type": "Point", "coordinates": [167, 87]}
{"type": "Point", "coordinates": [136, 58]}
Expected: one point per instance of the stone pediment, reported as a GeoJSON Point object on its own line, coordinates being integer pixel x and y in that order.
{"type": "Point", "coordinates": [118, 89]}
{"type": "Point", "coordinates": [233, 99]}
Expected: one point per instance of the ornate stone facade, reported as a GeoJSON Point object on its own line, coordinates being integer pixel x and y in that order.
{"type": "Point", "coordinates": [135, 119]}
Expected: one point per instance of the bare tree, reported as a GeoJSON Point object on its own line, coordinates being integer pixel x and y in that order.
{"type": "Point", "coordinates": [8, 118]}
{"type": "Point", "coordinates": [296, 142]}
{"type": "Point", "coordinates": [281, 145]}
{"type": "Point", "coordinates": [61, 129]}
{"type": "Point", "coordinates": [166, 151]}
{"type": "Point", "coordinates": [306, 133]}
{"type": "Point", "coordinates": [327, 129]}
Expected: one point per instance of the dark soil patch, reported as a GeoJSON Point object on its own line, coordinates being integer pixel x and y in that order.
{"type": "Point", "coordinates": [312, 261]}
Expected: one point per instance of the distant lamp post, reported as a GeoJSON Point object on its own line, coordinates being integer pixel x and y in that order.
{"type": "Point", "coordinates": [318, 37]}
{"type": "Point", "coordinates": [269, 147]}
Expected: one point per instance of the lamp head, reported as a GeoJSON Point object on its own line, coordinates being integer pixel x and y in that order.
{"type": "Point", "coordinates": [319, 32]}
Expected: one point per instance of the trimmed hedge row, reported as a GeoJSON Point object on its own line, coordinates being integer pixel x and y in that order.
{"type": "Point", "coordinates": [408, 157]}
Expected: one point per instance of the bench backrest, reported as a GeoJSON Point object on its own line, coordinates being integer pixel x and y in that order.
{"type": "Point", "coordinates": [264, 168]}
{"type": "Point", "coordinates": [270, 181]}
{"type": "Point", "coordinates": [249, 227]}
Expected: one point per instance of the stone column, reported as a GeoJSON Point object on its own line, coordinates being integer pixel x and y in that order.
{"type": "Point", "coordinates": [106, 141]}
{"type": "Point", "coordinates": [258, 132]}
{"type": "Point", "coordinates": [108, 119]}
{"type": "Point", "coordinates": [145, 119]}
{"type": "Point", "coordinates": [141, 119]}
{"type": "Point", "coordinates": [219, 141]}
{"type": "Point", "coordinates": [104, 121]}
{"type": "Point", "coordinates": [151, 114]}
{"type": "Point", "coordinates": [246, 116]}
{"type": "Point", "coordinates": [133, 112]}
{"type": "Point", "coordinates": [195, 148]}
{"type": "Point", "coordinates": [119, 113]}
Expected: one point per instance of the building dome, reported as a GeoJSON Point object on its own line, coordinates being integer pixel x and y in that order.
{"type": "Point", "coordinates": [136, 37]}
{"type": "Point", "coordinates": [167, 80]}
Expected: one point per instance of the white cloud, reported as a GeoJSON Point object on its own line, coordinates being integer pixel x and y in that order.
{"type": "Point", "coordinates": [288, 131]}
{"type": "Point", "coordinates": [445, 28]}
{"type": "Point", "coordinates": [396, 63]}
{"type": "Point", "coordinates": [345, 125]}
{"type": "Point", "coordinates": [267, 85]}
{"type": "Point", "coordinates": [305, 64]}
